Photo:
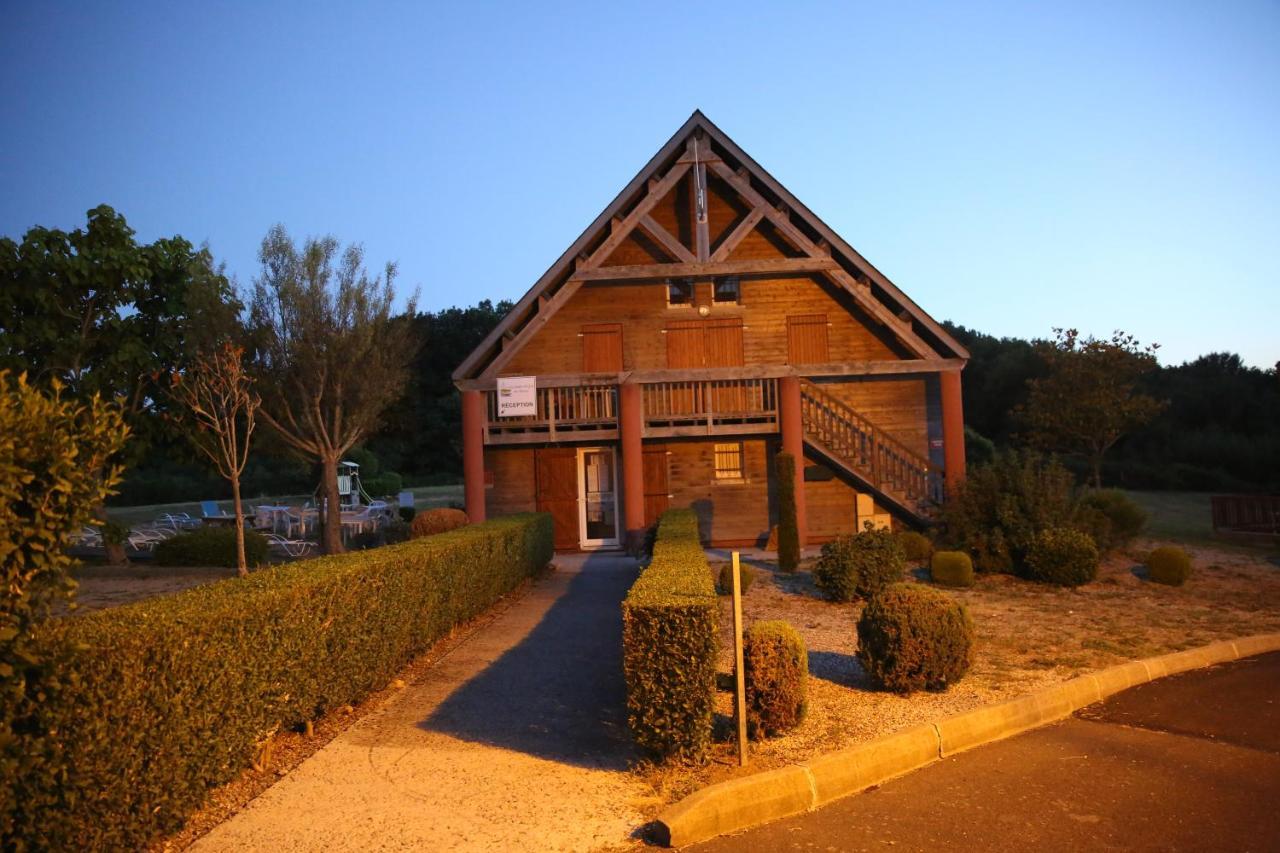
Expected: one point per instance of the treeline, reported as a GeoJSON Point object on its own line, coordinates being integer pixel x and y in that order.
{"type": "Point", "coordinates": [1217, 430]}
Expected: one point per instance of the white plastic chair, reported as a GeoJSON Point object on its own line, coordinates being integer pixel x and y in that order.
{"type": "Point", "coordinates": [291, 547]}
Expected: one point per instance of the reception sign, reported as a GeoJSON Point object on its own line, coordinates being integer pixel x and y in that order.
{"type": "Point", "coordinates": [517, 397]}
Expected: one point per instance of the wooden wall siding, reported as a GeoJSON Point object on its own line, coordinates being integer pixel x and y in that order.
{"type": "Point", "coordinates": [728, 512]}
{"type": "Point", "coordinates": [514, 486]}
{"type": "Point", "coordinates": [898, 406]}
{"type": "Point", "coordinates": [831, 506]}
{"type": "Point", "coordinates": [807, 341]}
{"type": "Point", "coordinates": [602, 348]}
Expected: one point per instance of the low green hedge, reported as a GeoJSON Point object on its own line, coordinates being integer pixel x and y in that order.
{"type": "Point", "coordinates": [211, 546]}
{"type": "Point", "coordinates": [166, 698]}
{"type": "Point", "coordinates": [669, 631]}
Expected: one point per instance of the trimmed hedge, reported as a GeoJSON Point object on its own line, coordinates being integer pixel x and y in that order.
{"type": "Point", "coordinates": [433, 521]}
{"type": "Point", "coordinates": [724, 583]}
{"type": "Point", "coordinates": [211, 546]}
{"type": "Point", "coordinates": [1169, 565]}
{"type": "Point", "coordinates": [859, 565]}
{"type": "Point", "coordinates": [171, 696]}
{"type": "Point", "coordinates": [911, 637]}
{"type": "Point", "coordinates": [670, 624]}
{"type": "Point", "coordinates": [776, 670]}
{"type": "Point", "coordinates": [951, 568]}
{"type": "Point", "coordinates": [1062, 556]}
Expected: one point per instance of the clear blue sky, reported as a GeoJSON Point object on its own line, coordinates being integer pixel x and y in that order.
{"type": "Point", "coordinates": [1012, 167]}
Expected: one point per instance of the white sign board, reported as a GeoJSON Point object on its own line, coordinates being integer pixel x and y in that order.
{"type": "Point", "coordinates": [517, 397]}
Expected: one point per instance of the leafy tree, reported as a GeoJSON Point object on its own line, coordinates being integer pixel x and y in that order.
{"type": "Point", "coordinates": [53, 472]}
{"type": "Point", "coordinates": [104, 314]}
{"type": "Point", "coordinates": [788, 525]}
{"type": "Point", "coordinates": [217, 410]}
{"type": "Point", "coordinates": [330, 356]}
{"type": "Point", "coordinates": [1089, 397]}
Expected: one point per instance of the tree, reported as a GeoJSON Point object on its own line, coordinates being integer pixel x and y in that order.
{"type": "Point", "coordinates": [329, 355]}
{"type": "Point", "coordinates": [104, 314]}
{"type": "Point", "coordinates": [218, 408]}
{"type": "Point", "coordinates": [1088, 398]}
{"type": "Point", "coordinates": [788, 525]}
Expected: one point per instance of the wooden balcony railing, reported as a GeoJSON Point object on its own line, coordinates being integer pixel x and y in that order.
{"type": "Point", "coordinates": [563, 414]}
{"type": "Point", "coordinates": [704, 407]}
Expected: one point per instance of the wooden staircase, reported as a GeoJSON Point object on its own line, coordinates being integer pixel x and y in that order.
{"type": "Point", "coordinates": [868, 455]}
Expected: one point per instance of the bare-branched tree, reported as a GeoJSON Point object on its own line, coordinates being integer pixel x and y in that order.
{"type": "Point", "coordinates": [330, 355]}
{"type": "Point", "coordinates": [217, 409]}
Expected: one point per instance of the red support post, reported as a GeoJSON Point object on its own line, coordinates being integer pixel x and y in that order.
{"type": "Point", "coordinates": [631, 435]}
{"type": "Point", "coordinates": [473, 422]}
{"type": "Point", "coordinates": [791, 420]}
{"type": "Point", "coordinates": [952, 429]}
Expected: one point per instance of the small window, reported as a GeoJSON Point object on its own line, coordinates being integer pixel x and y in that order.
{"type": "Point", "coordinates": [727, 290]}
{"type": "Point", "coordinates": [680, 291]}
{"type": "Point", "coordinates": [729, 461]}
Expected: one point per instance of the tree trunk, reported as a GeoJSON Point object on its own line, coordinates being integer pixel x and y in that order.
{"type": "Point", "coordinates": [332, 511]}
{"type": "Point", "coordinates": [242, 565]}
{"type": "Point", "coordinates": [1096, 460]}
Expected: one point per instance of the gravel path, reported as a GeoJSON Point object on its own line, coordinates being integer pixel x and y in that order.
{"type": "Point", "coordinates": [516, 740]}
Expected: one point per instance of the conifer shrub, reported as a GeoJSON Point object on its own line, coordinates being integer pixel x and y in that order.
{"type": "Point", "coordinates": [432, 521]}
{"type": "Point", "coordinates": [211, 546]}
{"type": "Point", "coordinates": [859, 565]}
{"type": "Point", "coordinates": [951, 568]}
{"type": "Point", "coordinates": [1061, 556]}
{"type": "Point", "coordinates": [788, 526]}
{"type": "Point", "coordinates": [724, 582]}
{"type": "Point", "coordinates": [166, 698]}
{"type": "Point", "coordinates": [911, 637]}
{"type": "Point", "coordinates": [670, 625]}
{"type": "Point", "coordinates": [776, 671]}
{"type": "Point", "coordinates": [915, 546]}
{"type": "Point", "coordinates": [1169, 565]}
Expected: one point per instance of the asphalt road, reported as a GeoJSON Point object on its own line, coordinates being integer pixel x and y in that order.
{"type": "Point", "coordinates": [1190, 763]}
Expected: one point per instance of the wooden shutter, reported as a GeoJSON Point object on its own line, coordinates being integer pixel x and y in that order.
{"type": "Point", "coordinates": [724, 342]}
{"type": "Point", "coordinates": [807, 339]}
{"type": "Point", "coordinates": [602, 348]}
{"type": "Point", "coordinates": [686, 346]}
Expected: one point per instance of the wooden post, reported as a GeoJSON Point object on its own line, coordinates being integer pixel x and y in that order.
{"type": "Point", "coordinates": [631, 437]}
{"type": "Point", "coordinates": [792, 427]}
{"type": "Point", "coordinates": [952, 429]}
{"type": "Point", "coordinates": [739, 673]}
{"type": "Point", "coordinates": [473, 427]}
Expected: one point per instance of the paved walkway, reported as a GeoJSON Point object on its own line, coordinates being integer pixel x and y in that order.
{"type": "Point", "coordinates": [516, 740]}
{"type": "Point", "coordinates": [1190, 762]}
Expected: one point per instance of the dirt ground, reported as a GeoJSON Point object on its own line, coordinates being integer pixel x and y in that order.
{"type": "Point", "coordinates": [112, 586]}
{"type": "Point", "coordinates": [1029, 636]}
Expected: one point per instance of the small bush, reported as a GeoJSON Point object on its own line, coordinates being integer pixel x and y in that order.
{"type": "Point", "coordinates": [1062, 556]}
{"type": "Point", "coordinates": [911, 637]}
{"type": "Point", "coordinates": [432, 521]}
{"type": "Point", "coordinates": [670, 627]}
{"type": "Point", "coordinates": [385, 483]}
{"type": "Point", "coordinates": [211, 546]}
{"type": "Point", "coordinates": [951, 568]}
{"type": "Point", "coordinates": [859, 565]}
{"type": "Point", "coordinates": [1110, 517]}
{"type": "Point", "coordinates": [724, 583]}
{"type": "Point", "coordinates": [916, 547]}
{"type": "Point", "coordinates": [788, 526]}
{"type": "Point", "coordinates": [776, 670]}
{"type": "Point", "coordinates": [1169, 565]}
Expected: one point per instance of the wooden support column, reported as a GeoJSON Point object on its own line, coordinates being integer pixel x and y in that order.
{"type": "Point", "coordinates": [473, 422]}
{"type": "Point", "coordinates": [792, 423]}
{"type": "Point", "coordinates": [952, 429]}
{"type": "Point", "coordinates": [630, 433]}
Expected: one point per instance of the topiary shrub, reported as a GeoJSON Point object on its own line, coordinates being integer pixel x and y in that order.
{"type": "Point", "coordinates": [1062, 556]}
{"type": "Point", "coordinates": [916, 547]}
{"type": "Point", "coordinates": [211, 546]}
{"type": "Point", "coordinates": [859, 565]}
{"type": "Point", "coordinates": [788, 526]}
{"type": "Point", "coordinates": [951, 568]}
{"type": "Point", "coordinates": [1110, 517]}
{"type": "Point", "coordinates": [432, 521]}
{"type": "Point", "coordinates": [1169, 565]}
{"type": "Point", "coordinates": [776, 670]}
{"type": "Point", "coordinates": [911, 637]}
{"type": "Point", "coordinates": [724, 582]}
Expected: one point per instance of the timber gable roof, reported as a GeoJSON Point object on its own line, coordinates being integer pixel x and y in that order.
{"type": "Point", "coordinates": [701, 148]}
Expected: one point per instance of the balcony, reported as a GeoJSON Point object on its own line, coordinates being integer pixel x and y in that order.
{"type": "Point", "coordinates": [579, 413]}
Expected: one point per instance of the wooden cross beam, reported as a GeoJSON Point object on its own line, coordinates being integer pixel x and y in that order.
{"type": "Point", "coordinates": [673, 246]}
{"type": "Point", "coordinates": [623, 228]}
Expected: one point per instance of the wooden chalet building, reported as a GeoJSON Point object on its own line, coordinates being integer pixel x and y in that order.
{"type": "Point", "coordinates": [704, 321]}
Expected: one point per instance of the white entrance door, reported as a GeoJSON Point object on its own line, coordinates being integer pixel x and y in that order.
{"type": "Point", "coordinates": [597, 497]}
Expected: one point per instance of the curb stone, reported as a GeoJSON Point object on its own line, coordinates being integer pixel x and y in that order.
{"type": "Point", "coordinates": [798, 788]}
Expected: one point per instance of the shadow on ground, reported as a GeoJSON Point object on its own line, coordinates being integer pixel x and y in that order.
{"type": "Point", "coordinates": [558, 694]}
{"type": "Point", "coordinates": [838, 668]}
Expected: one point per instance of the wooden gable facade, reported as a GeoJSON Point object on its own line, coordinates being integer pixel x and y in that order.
{"type": "Point", "coordinates": [705, 321]}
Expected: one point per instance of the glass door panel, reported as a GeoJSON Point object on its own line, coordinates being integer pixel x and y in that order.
{"type": "Point", "coordinates": [599, 497]}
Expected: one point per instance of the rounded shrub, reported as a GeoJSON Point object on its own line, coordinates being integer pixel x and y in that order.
{"type": "Point", "coordinates": [1062, 556]}
{"type": "Point", "coordinates": [859, 565]}
{"type": "Point", "coordinates": [211, 546]}
{"type": "Point", "coordinates": [951, 568]}
{"type": "Point", "coordinates": [724, 582]}
{"type": "Point", "coordinates": [911, 637]}
{"type": "Point", "coordinates": [916, 547]}
{"type": "Point", "coordinates": [432, 521]}
{"type": "Point", "coordinates": [1169, 565]}
{"type": "Point", "coordinates": [776, 670]}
